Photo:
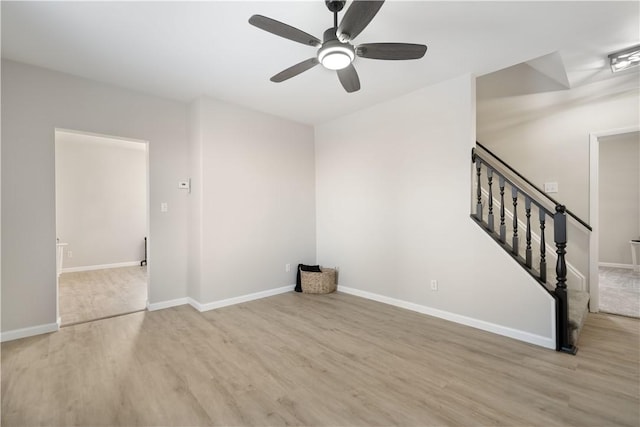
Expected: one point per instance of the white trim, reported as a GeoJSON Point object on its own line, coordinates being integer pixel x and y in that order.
{"type": "Point", "coordinates": [145, 144]}
{"type": "Point", "coordinates": [238, 300]}
{"type": "Point", "coordinates": [220, 303]}
{"type": "Point", "coordinates": [166, 304]}
{"type": "Point", "coordinates": [99, 135]}
{"type": "Point", "coordinates": [594, 209]}
{"type": "Point", "coordinates": [594, 218]}
{"type": "Point", "coordinates": [543, 341]}
{"type": "Point", "coordinates": [101, 267]}
{"type": "Point", "coordinates": [148, 219]}
{"type": "Point", "coordinates": [29, 332]}
{"type": "Point", "coordinates": [615, 265]}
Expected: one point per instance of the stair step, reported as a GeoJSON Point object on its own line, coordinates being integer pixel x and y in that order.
{"type": "Point", "coordinates": [578, 309]}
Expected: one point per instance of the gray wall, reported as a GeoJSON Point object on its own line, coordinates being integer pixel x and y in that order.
{"type": "Point", "coordinates": [545, 136]}
{"type": "Point", "coordinates": [101, 199]}
{"type": "Point", "coordinates": [35, 101]}
{"type": "Point", "coordinates": [393, 203]}
{"type": "Point", "coordinates": [619, 198]}
{"type": "Point", "coordinates": [254, 191]}
{"type": "Point", "coordinates": [387, 199]}
{"type": "Point", "coordinates": [250, 212]}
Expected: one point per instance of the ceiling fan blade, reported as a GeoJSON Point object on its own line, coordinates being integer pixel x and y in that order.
{"type": "Point", "coordinates": [393, 51]}
{"type": "Point", "coordinates": [283, 30]}
{"type": "Point", "coordinates": [349, 79]}
{"type": "Point", "coordinates": [295, 70]}
{"type": "Point", "coordinates": [356, 18]}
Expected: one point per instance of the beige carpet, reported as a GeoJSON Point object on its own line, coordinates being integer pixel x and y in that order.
{"type": "Point", "coordinates": [619, 291]}
{"type": "Point", "coordinates": [96, 294]}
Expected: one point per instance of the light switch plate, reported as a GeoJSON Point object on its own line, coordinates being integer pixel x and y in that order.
{"type": "Point", "coordinates": [550, 187]}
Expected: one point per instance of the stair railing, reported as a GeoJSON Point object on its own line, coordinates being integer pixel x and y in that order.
{"type": "Point", "coordinates": [537, 202]}
{"type": "Point", "coordinates": [536, 189]}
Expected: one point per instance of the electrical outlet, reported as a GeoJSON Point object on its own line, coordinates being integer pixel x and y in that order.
{"type": "Point", "coordinates": [69, 254]}
{"type": "Point", "coordinates": [287, 267]}
{"type": "Point", "coordinates": [434, 285]}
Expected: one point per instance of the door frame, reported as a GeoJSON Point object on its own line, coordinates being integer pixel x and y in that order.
{"type": "Point", "coordinates": [147, 201]}
{"type": "Point", "coordinates": [594, 209]}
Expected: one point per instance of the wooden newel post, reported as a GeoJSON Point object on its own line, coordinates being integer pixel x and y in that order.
{"type": "Point", "coordinates": [503, 227]}
{"type": "Point", "coordinates": [543, 247]}
{"type": "Point", "coordinates": [479, 191]}
{"type": "Point", "coordinates": [527, 210]}
{"type": "Point", "coordinates": [562, 309]}
{"type": "Point", "coordinates": [515, 242]}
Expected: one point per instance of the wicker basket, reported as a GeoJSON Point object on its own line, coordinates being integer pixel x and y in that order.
{"type": "Point", "coordinates": [318, 283]}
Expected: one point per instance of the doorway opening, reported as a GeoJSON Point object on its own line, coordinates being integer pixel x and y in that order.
{"type": "Point", "coordinates": [615, 212]}
{"type": "Point", "coordinates": [102, 225]}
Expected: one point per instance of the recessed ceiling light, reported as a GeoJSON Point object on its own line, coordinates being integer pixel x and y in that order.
{"type": "Point", "coordinates": [625, 59]}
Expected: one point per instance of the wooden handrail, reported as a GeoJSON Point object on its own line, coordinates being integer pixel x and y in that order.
{"type": "Point", "coordinates": [535, 187]}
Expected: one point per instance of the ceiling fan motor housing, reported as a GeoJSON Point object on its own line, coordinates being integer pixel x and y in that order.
{"type": "Point", "coordinates": [330, 35]}
{"type": "Point", "coordinates": [334, 54]}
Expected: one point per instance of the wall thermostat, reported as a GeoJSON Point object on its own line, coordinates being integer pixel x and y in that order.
{"type": "Point", "coordinates": [185, 185]}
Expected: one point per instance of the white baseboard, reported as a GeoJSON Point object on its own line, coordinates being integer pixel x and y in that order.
{"type": "Point", "coordinates": [615, 265]}
{"type": "Point", "coordinates": [218, 304]}
{"type": "Point", "coordinates": [166, 304]}
{"type": "Point", "coordinates": [28, 332]}
{"type": "Point", "coordinates": [542, 341]}
{"type": "Point", "coordinates": [238, 300]}
{"type": "Point", "coordinates": [100, 267]}
{"type": "Point", "coordinates": [53, 327]}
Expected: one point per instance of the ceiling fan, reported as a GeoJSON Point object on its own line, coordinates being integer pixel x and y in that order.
{"type": "Point", "coordinates": [336, 52]}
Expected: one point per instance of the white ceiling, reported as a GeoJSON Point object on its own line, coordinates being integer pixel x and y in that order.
{"type": "Point", "coordinates": [183, 50]}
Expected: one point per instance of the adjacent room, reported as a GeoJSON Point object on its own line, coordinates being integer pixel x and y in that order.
{"type": "Point", "coordinates": [619, 201]}
{"type": "Point", "coordinates": [426, 168]}
{"type": "Point", "coordinates": [101, 226]}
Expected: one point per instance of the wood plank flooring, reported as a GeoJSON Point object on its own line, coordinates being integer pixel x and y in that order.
{"type": "Point", "coordinates": [316, 360]}
{"type": "Point", "coordinates": [96, 294]}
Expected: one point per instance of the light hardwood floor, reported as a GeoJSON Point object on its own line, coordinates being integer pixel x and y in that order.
{"type": "Point", "coordinates": [316, 360]}
{"type": "Point", "coordinates": [96, 294]}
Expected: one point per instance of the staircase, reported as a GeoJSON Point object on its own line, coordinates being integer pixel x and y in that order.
{"type": "Point", "coordinates": [578, 309]}
{"type": "Point", "coordinates": [500, 194]}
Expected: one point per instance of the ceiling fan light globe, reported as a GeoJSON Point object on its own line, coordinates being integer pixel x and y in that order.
{"type": "Point", "coordinates": [336, 61]}
{"type": "Point", "coordinates": [336, 57]}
